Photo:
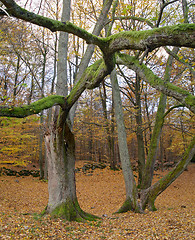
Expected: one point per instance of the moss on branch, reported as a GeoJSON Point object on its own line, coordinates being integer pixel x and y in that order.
{"type": "Point", "coordinates": [90, 79]}
{"type": "Point", "coordinates": [33, 108]}
{"type": "Point", "coordinates": [164, 182]}
{"type": "Point", "coordinates": [182, 35]}
{"type": "Point", "coordinates": [169, 89]}
{"type": "Point", "coordinates": [16, 11]}
{"type": "Point", "coordinates": [176, 35]}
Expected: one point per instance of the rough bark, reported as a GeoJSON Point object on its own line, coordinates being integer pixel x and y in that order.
{"type": "Point", "coordinates": [60, 149]}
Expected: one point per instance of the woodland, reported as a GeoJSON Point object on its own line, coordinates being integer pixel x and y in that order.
{"type": "Point", "coordinates": [106, 85]}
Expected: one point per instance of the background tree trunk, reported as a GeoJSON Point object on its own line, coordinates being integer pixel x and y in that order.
{"type": "Point", "coordinates": [131, 202]}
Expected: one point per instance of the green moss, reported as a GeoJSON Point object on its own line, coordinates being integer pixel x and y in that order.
{"type": "Point", "coordinates": [71, 211]}
{"type": "Point", "coordinates": [190, 100]}
{"type": "Point", "coordinates": [170, 89]}
{"type": "Point", "coordinates": [66, 211]}
{"type": "Point", "coordinates": [87, 78]}
{"type": "Point", "coordinates": [151, 205]}
{"type": "Point", "coordinates": [33, 108]}
{"type": "Point", "coordinates": [148, 33]}
{"type": "Point", "coordinates": [127, 206]}
{"type": "Point", "coordinates": [164, 182]}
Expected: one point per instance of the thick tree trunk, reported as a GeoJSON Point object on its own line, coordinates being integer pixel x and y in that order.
{"type": "Point", "coordinates": [60, 148]}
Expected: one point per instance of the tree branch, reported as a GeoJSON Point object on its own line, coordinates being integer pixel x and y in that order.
{"type": "Point", "coordinates": [139, 19]}
{"type": "Point", "coordinates": [169, 89]}
{"type": "Point", "coordinates": [16, 11]}
{"type": "Point", "coordinates": [33, 108]}
{"type": "Point", "coordinates": [163, 183]}
{"type": "Point", "coordinates": [182, 35]}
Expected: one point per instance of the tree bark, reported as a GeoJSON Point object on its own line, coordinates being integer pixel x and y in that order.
{"type": "Point", "coordinates": [131, 202]}
{"type": "Point", "coordinates": [139, 132]}
{"type": "Point", "coordinates": [159, 121]}
{"type": "Point", "coordinates": [148, 196]}
{"type": "Point", "coordinates": [60, 149]}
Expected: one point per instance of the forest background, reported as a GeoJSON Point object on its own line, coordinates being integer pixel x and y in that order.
{"type": "Point", "coordinates": [36, 63]}
{"type": "Point", "coordinates": [28, 65]}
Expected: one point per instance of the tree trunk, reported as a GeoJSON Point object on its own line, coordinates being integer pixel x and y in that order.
{"type": "Point", "coordinates": [131, 202]}
{"type": "Point", "coordinates": [60, 149]}
{"type": "Point", "coordinates": [139, 132]}
{"type": "Point", "coordinates": [41, 138]}
{"type": "Point", "coordinates": [148, 196]}
{"type": "Point", "coordinates": [159, 121]}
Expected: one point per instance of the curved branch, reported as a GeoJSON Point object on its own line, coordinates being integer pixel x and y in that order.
{"type": "Point", "coordinates": [90, 79]}
{"type": "Point", "coordinates": [149, 195]}
{"type": "Point", "coordinates": [169, 89]}
{"type": "Point", "coordinates": [182, 35]}
{"type": "Point", "coordinates": [16, 11]}
{"type": "Point", "coordinates": [139, 19]}
{"type": "Point", "coordinates": [164, 5]}
{"type": "Point", "coordinates": [33, 108]}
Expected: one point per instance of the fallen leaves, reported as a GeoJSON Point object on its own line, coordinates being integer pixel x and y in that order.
{"type": "Point", "coordinates": [101, 193]}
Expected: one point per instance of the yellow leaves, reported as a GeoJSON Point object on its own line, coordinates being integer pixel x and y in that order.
{"type": "Point", "coordinates": [18, 140]}
{"type": "Point", "coordinates": [21, 201]}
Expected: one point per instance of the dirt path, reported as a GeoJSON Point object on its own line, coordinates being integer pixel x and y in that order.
{"type": "Point", "coordinates": [101, 193]}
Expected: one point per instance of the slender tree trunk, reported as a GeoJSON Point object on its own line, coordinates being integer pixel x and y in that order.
{"type": "Point", "coordinates": [107, 127]}
{"type": "Point", "coordinates": [41, 138]}
{"type": "Point", "coordinates": [112, 135]}
{"type": "Point", "coordinates": [148, 196]}
{"type": "Point", "coordinates": [90, 48]}
{"type": "Point", "coordinates": [139, 131]}
{"type": "Point", "coordinates": [159, 121]}
{"type": "Point", "coordinates": [16, 78]}
{"type": "Point", "coordinates": [131, 202]}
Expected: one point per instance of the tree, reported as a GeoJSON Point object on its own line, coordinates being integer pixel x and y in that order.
{"type": "Point", "coordinates": [60, 141]}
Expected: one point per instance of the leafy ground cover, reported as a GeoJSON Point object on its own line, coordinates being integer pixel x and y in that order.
{"type": "Point", "coordinates": [102, 193]}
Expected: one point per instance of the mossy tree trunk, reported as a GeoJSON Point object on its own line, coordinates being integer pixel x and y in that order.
{"type": "Point", "coordinates": [148, 196]}
{"type": "Point", "coordinates": [159, 121]}
{"type": "Point", "coordinates": [60, 149]}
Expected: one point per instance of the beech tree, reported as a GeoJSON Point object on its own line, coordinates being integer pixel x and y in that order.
{"type": "Point", "coordinates": [60, 144]}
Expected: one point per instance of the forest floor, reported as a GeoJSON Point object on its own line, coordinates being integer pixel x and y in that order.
{"type": "Point", "coordinates": [101, 193]}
